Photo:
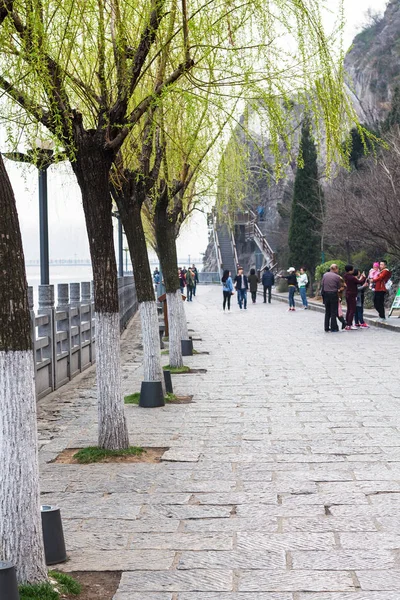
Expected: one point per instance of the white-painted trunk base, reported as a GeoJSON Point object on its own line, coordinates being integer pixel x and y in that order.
{"type": "Point", "coordinates": [174, 302]}
{"type": "Point", "coordinates": [183, 322]}
{"type": "Point", "coordinates": [113, 433]}
{"type": "Point", "coordinates": [152, 370]}
{"type": "Point", "coordinates": [21, 540]}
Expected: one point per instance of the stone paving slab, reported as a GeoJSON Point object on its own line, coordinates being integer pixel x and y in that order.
{"type": "Point", "coordinates": [282, 478]}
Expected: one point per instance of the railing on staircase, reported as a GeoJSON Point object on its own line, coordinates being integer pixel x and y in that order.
{"type": "Point", "coordinates": [253, 232]}
{"type": "Point", "coordinates": [216, 243]}
{"type": "Point", "coordinates": [234, 250]}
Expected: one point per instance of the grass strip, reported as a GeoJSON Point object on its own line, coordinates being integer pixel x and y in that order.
{"type": "Point", "coordinates": [177, 370]}
{"type": "Point", "coordinates": [93, 454]}
{"type": "Point", "coordinates": [50, 590]}
{"type": "Point", "coordinates": [132, 398]}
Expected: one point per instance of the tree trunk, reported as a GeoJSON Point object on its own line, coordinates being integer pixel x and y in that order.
{"type": "Point", "coordinates": [165, 235]}
{"type": "Point", "coordinates": [92, 167]}
{"type": "Point", "coordinates": [129, 206]}
{"type": "Point", "coordinates": [21, 539]}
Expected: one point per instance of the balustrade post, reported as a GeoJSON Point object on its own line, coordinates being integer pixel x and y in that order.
{"type": "Point", "coordinates": [46, 307]}
{"type": "Point", "coordinates": [64, 324]}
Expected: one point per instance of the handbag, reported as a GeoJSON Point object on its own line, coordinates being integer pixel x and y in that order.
{"type": "Point", "coordinates": [388, 285]}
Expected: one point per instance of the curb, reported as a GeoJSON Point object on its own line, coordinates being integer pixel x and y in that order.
{"type": "Point", "coordinates": [319, 308]}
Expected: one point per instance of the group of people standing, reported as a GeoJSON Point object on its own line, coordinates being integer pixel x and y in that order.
{"type": "Point", "coordinates": [297, 280]}
{"type": "Point", "coordinates": [188, 278]}
{"type": "Point", "coordinates": [353, 285]}
{"type": "Point", "coordinates": [242, 284]}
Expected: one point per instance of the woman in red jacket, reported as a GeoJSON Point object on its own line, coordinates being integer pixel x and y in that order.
{"type": "Point", "coordinates": [380, 289]}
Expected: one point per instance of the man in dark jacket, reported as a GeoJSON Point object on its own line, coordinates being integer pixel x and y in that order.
{"type": "Point", "coordinates": [242, 286]}
{"type": "Point", "coordinates": [268, 280]}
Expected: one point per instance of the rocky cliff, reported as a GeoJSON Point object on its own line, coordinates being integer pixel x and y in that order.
{"type": "Point", "coordinates": [373, 65]}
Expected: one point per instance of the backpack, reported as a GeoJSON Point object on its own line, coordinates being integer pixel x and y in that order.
{"type": "Point", "coordinates": [388, 285]}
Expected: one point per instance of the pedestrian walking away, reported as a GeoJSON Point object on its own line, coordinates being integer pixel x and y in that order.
{"type": "Point", "coordinates": [352, 282]}
{"type": "Point", "coordinates": [253, 283]}
{"type": "Point", "coordinates": [242, 286]}
{"type": "Point", "coordinates": [268, 280]}
{"type": "Point", "coordinates": [292, 285]}
{"type": "Point", "coordinates": [381, 289]}
{"type": "Point", "coordinates": [227, 289]}
{"type": "Point", "coordinates": [190, 277]}
{"type": "Point", "coordinates": [330, 287]}
{"type": "Point", "coordinates": [302, 282]}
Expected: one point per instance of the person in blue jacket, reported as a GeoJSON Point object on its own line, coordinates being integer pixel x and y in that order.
{"type": "Point", "coordinates": [227, 289]}
{"type": "Point", "coordinates": [268, 280]}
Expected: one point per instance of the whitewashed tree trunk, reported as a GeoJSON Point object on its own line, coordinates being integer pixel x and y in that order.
{"type": "Point", "coordinates": [174, 302]}
{"type": "Point", "coordinates": [113, 432]}
{"type": "Point", "coordinates": [183, 322]}
{"type": "Point", "coordinates": [152, 370]}
{"type": "Point", "coordinates": [21, 539]}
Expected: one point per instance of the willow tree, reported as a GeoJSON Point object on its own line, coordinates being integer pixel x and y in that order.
{"type": "Point", "coordinates": [134, 177]}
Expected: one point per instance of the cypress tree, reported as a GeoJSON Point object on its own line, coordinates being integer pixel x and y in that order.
{"type": "Point", "coordinates": [306, 214]}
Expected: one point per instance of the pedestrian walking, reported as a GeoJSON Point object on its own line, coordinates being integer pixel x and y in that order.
{"type": "Point", "coordinates": [182, 280]}
{"type": "Point", "coordinates": [268, 280]}
{"type": "Point", "coordinates": [381, 288]}
{"type": "Point", "coordinates": [227, 289]}
{"type": "Point", "coordinates": [242, 286]}
{"type": "Point", "coordinates": [196, 278]}
{"type": "Point", "coordinates": [302, 282]}
{"type": "Point", "coordinates": [352, 282]}
{"type": "Point", "coordinates": [359, 316]}
{"type": "Point", "coordinates": [253, 283]}
{"type": "Point", "coordinates": [292, 286]}
{"type": "Point", "coordinates": [330, 287]}
{"type": "Point", "coordinates": [190, 277]}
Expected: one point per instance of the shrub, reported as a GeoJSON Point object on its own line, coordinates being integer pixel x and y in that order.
{"type": "Point", "coordinates": [322, 269]}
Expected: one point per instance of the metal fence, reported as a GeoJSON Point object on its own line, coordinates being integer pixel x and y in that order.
{"type": "Point", "coordinates": [63, 332]}
{"type": "Point", "coordinates": [209, 277]}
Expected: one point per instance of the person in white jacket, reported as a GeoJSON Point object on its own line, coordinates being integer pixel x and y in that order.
{"type": "Point", "coordinates": [302, 282]}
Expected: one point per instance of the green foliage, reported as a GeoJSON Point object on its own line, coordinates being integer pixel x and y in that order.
{"type": "Point", "coordinates": [324, 268]}
{"type": "Point", "coordinates": [177, 370]}
{"type": "Point", "coordinates": [307, 207]}
{"type": "Point", "coordinates": [171, 397]}
{"type": "Point", "coordinates": [94, 454]}
{"type": "Point", "coordinates": [359, 145]}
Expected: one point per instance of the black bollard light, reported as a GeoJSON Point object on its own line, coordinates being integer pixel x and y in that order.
{"type": "Point", "coordinates": [151, 395]}
{"type": "Point", "coordinates": [168, 382]}
{"type": "Point", "coordinates": [187, 347]}
{"type": "Point", "coordinates": [53, 535]}
{"type": "Point", "coordinates": [8, 581]}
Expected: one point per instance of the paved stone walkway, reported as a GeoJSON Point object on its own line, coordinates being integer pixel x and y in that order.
{"type": "Point", "coordinates": [283, 478]}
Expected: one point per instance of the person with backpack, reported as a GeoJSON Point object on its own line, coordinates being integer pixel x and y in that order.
{"type": "Point", "coordinates": [227, 289]}
{"type": "Point", "coordinates": [268, 280]}
{"type": "Point", "coordinates": [253, 282]}
{"type": "Point", "coordinates": [302, 282]}
{"type": "Point", "coordinates": [292, 287]}
{"type": "Point", "coordinates": [382, 286]}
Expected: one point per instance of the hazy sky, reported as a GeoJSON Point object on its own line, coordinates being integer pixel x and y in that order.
{"type": "Point", "coordinates": [66, 221]}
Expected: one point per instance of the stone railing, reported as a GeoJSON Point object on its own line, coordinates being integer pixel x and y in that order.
{"type": "Point", "coordinates": [63, 332]}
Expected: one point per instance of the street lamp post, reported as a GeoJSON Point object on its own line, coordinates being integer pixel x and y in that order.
{"type": "Point", "coordinates": [42, 158]}
{"type": "Point", "coordinates": [120, 244]}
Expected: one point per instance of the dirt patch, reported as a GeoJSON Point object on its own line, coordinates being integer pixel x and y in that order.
{"type": "Point", "coordinates": [181, 400]}
{"type": "Point", "coordinates": [150, 455]}
{"type": "Point", "coordinates": [198, 371]}
{"type": "Point", "coordinates": [96, 585]}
